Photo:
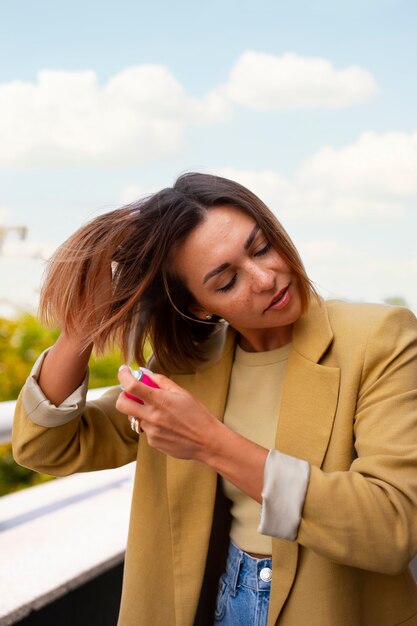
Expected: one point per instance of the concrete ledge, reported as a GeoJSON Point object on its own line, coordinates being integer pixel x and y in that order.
{"type": "Point", "coordinates": [6, 420]}
{"type": "Point", "coordinates": [56, 536]}
{"type": "Point", "coordinates": [97, 602]}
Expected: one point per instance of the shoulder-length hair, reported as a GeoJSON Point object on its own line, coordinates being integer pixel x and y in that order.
{"type": "Point", "coordinates": [112, 281]}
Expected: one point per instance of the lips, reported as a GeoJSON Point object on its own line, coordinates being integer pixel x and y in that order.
{"type": "Point", "coordinates": [278, 297]}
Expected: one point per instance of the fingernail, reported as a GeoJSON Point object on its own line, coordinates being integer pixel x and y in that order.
{"type": "Point", "coordinates": [122, 367]}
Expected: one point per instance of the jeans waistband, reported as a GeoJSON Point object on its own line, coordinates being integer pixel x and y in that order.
{"type": "Point", "coordinates": [243, 569]}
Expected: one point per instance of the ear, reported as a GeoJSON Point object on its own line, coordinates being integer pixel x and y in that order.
{"type": "Point", "coordinates": [198, 312]}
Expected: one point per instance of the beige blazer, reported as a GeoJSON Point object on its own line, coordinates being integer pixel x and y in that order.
{"type": "Point", "coordinates": [349, 407]}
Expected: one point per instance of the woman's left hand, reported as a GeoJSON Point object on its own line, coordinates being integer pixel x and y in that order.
{"type": "Point", "coordinates": [174, 421]}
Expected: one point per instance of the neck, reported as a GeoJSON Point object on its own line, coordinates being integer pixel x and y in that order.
{"type": "Point", "coordinates": [265, 339]}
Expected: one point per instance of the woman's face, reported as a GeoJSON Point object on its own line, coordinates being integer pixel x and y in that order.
{"type": "Point", "coordinates": [233, 272]}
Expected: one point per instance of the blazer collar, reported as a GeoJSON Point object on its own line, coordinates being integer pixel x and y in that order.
{"type": "Point", "coordinates": [312, 333]}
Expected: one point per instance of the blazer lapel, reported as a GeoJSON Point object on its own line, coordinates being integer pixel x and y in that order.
{"type": "Point", "coordinates": [305, 423]}
{"type": "Point", "coordinates": [307, 410]}
{"type": "Point", "coordinates": [191, 490]}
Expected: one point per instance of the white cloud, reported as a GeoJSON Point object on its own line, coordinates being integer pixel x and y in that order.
{"type": "Point", "coordinates": [20, 284]}
{"type": "Point", "coordinates": [380, 165]}
{"type": "Point", "coordinates": [265, 81]}
{"type": "Point", "coordinates": [289, 198]}
{"type": "Point", "coordinates": [68, 118]}
{"type": "Point", "coordinates": [374, 177]}
{"type": "Point", "coordinates": [344, 271]}
{"type": "Point", "coordinates": [270, 186]}
{"type": "Point", "coordinates": [130, 193]}
{"type": "Point", "coordinates": [14, 248]}
{"type": "Point", "coordinates": [140, 113]}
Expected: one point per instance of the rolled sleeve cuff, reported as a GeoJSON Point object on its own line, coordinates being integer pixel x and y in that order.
{"type": "Point", "coordinates": [283, 494]}
{"type": "Point", "coordinates": [41, 411]}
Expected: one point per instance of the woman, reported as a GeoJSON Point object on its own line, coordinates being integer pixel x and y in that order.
{"type": "Point", "coordinates": [302, 412]}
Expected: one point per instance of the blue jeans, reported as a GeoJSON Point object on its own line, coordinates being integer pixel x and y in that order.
{"type": "Point", "coordinates": [244, 589]}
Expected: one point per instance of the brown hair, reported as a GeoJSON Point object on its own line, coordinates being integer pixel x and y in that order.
{"type": "Point", "coordinates": [111, 281]}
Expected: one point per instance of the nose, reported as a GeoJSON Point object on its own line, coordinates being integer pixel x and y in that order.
{"type": "Point", "coordinates": [263, 279]}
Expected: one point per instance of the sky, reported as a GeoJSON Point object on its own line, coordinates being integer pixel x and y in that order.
{"type": "Point", "coordinates": [313, 106]}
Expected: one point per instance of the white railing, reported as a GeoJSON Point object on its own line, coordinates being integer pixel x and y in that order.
{"type": "Point", "coordinates": [6, 420]}
{"type": "Point", "coordinates": [57, 536]}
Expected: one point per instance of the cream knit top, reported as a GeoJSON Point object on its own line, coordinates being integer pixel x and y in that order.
{"type": "Point", "coordinates": [252, 409]}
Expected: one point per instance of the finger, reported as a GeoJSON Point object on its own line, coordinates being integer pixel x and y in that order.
{"type": "Point", "coordinates": [136, 388]}
{"type": "Point", "coordinates": [129, 383]}
{"type": "Point", "coordinates": [131, 407]}
{"type": "Point", "coordinates": [124, 374]}
{"type": "Point", "coordinates": [163, 382]}
{"type": "Point", "coordinates": [132, 397]}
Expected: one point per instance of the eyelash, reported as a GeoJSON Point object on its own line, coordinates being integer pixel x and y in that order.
{"type": "Point", "coordinates": [230, 284]}
{"type": "Point", "coordinates": [264, 250]}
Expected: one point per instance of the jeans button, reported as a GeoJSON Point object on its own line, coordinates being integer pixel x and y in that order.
{"type": "Point", "coordinates": [266, 574]}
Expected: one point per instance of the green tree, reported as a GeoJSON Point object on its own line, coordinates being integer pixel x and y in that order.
{"type": "Point", "coordinates": [396, 301]}
{"type": "Point", "coordinates": [21, 342]}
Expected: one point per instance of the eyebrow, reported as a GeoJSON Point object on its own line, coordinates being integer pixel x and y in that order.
{"type": "Point", "coordinates": [224, 266]}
